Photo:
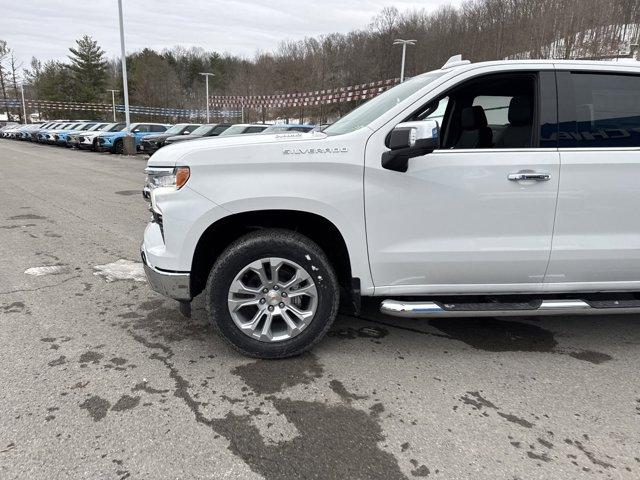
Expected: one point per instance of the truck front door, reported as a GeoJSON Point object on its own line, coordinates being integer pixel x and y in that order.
{"type": "Point", "coordinates": [468, 218]}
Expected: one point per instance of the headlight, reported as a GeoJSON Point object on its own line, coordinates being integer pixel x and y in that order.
{"type": "Point", "coordinates": [158, 177]}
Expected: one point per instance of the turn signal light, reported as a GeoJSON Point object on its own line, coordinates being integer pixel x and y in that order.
{"type": "Point", "coordinates": [182, 176]}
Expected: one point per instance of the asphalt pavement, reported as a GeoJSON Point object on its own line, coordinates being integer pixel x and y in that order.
{"type": "Point", "coordinates": [102, 378]}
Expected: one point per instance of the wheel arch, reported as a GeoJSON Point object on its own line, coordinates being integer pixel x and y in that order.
{"type": "Point", "coordinates": [224, 231]}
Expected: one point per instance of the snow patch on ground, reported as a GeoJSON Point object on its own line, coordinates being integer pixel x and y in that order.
{"type": "Point", "coordinates": [121, 270]}
{"type": "Point", "coordinates": [47, 270]}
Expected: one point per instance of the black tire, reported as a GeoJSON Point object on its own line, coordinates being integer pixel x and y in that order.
{"type": "Point", "coordinates": [288, 245]}
{"type": "Point", "coordinates": [118, 147]}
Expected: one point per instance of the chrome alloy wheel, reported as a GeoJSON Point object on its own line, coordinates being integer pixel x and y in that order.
{"type": "Point", "coordinates": [272, 299]}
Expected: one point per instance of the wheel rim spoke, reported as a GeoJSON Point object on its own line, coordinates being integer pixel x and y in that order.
{"type": "Point", "coordinates": [237, 304]}
{"type": "Point", "coordinates": [291, 326]}
{"type": "Point", "coordinates": [253, 323]}
{"type": "Point", "coordinates": [300, 313]}
{"type": "Point", "coordinates": [280, 307]}
{"type": "Point", "coordinates": [309, 289]}
{"type": "Point", "coordinates": [266, 328]}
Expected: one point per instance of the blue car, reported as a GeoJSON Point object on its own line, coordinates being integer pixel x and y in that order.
{"type": "Point", "coordinates": [113, 141]}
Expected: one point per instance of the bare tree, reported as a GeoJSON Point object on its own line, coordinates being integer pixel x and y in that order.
{"type": "Point", "coordinates": [4, 53]}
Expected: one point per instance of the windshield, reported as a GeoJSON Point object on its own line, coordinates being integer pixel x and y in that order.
{"type": "Point", "coordinates": [276, 129]}
{"type": "Point", "coordinates": [234, 130]}
{"type": "Point", "coordinates": [114, 127]}
{"type": "Point", "coordinates": [202, 130]}
{"type": "Point", "coordinates": [174, 130]}
{"type": "Point", "coordinates": [374, 108]}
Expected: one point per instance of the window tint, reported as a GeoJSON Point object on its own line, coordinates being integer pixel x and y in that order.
{"type": "Point", "coordinates": [191, 128]}
{"type": "Point", "coordinates": [600, 110]}
{"type": "Point", "coordinates": [495, 111]}
{"type": "Point", "coordinates": [157, 128]}
{"type": "Point", "coordinates": [254, 129]}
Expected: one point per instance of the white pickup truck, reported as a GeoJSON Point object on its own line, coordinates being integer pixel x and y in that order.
{"type": "Point", "coordinates": [498, 188]}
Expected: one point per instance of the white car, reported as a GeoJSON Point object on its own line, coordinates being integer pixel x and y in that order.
{"type": "Point", "coordinates": [498, 188]}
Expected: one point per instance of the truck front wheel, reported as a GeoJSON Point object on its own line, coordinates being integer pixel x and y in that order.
{"type": "Point", "coordinates": [272, 294]}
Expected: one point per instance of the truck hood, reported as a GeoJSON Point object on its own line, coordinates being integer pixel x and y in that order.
{"type": "Point", "coordinates": [182, 152]}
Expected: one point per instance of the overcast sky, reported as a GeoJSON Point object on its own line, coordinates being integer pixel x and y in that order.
{"type": "Point", "coordinates": [47, 28]}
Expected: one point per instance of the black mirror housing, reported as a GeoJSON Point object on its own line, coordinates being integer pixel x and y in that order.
{"type": "Point", "coordinates": [408, 140]}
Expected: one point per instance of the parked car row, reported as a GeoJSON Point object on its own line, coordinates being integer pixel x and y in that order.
{"type": "Point", "coordinates": [149, 137]}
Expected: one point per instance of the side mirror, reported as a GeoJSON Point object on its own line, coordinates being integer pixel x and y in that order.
{"type": "Point", "coordinates": [137, 130]}
{"type": "Point", "coordinates": [186, 132]}
{"type": "Point", "coordinates": [408, 140]}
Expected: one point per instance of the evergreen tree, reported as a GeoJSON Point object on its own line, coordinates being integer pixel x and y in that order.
{"type": "Point", "coordinates": [89, 70]}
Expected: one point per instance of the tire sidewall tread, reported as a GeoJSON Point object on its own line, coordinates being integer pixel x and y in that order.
{"type": "Point", "coordinates": [272, 243]}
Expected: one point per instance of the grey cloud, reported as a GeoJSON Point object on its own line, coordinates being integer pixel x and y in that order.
{"type": "Point", "coordinates": [46, 29]}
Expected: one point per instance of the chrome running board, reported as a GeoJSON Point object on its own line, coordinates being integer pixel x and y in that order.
{"type": "Point", "coordinates": [399, 308]}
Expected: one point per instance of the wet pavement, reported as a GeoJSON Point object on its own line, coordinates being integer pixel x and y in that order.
{"type": "Point", "coordinates": [102, 378]}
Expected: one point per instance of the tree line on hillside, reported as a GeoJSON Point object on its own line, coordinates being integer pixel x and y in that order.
{"type": "Point", "coordinates": [478, 29]}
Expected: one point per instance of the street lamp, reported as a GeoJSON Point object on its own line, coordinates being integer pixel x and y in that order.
{"type": "Point", "coordinates": [404, 43]}
{"type": "Point", "coordinates": [24, 105]}
{"type": "Point", "coordinates": [124, 70]}
{"type": "Point", "coordinates": [206, 76]}
{"type": "Point", "coordinates": [113, 102]}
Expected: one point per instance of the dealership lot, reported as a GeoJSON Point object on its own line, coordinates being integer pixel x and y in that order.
{"type": "Point", "coordinates": [104, 379]}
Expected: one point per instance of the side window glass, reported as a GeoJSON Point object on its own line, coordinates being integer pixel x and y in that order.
{"type": "Point", "coordinates": [605, 109]}
{"type": "Point", "coordinates": [191, 128]}
{"type": "Point", "coordinates": [438, 111]}
{"type": "Point", "coordinates": [496, 111]}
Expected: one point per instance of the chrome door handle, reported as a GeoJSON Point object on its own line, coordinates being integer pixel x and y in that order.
{"type": "Point", "coordinates": [537, 176]}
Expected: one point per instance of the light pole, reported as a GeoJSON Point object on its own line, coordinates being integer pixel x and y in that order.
{"type": "Point", "coordinates": [404, 43]}
{"type": "Point", "coordinates": [206, 77]}
{"type": "Point", "coordinates": [124, 70]}
{"type": "Point", "coordinates": [113, 102]}
{"type": "Point", "coordinates": [24, 105]}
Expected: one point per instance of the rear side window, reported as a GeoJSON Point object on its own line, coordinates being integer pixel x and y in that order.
{"type": "Point", "coordinates": [599, 110]}
{"type": "Point", "coordinates": [254, 129]}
